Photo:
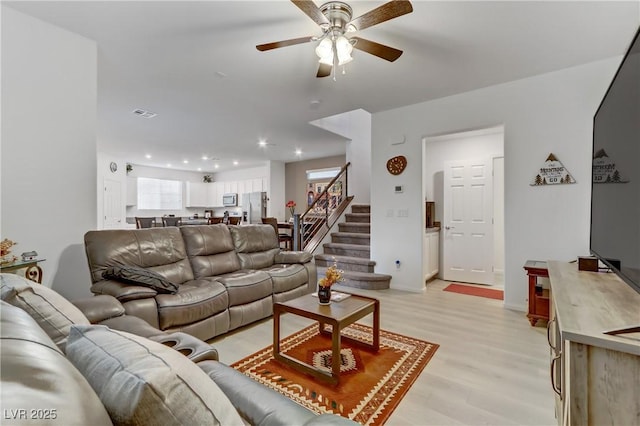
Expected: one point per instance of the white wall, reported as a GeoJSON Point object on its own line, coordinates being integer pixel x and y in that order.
{"type": "Point", "coordinates": [358, 153]}
{"type": "Point", "coordinates": [547, 113]}
{"type": "Point", "coordinates": [49, 94]}
{"type": "Point", "coordinates": [276, 184]}
{"type": "Point", "coordinates": [356, 126]}
{"type": "Point", "coordinates": [484, 143]}
{"type": "Point", "coordinates": [240, 174]}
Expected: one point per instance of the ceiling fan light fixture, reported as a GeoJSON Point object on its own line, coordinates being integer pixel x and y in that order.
{"type": "Point", "coordinates": [325, 51]}
{"type": "Point", "coordinates": [343, 50]}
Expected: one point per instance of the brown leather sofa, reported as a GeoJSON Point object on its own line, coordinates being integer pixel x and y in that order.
{"type": "Point", "coordinates": [227, 276]}
{"type": "Point", "coordinates": [44, 379]}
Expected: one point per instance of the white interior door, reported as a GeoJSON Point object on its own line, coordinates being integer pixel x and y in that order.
{"type": "Point", "coordinates": [112, 206]}
{"type": "Point", "coordinates": [468, 227]}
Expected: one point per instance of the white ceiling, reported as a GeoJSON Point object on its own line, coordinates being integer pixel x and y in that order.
{"type": "Point", "coordinates": [195, 64]}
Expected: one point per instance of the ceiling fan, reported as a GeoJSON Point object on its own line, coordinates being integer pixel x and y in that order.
{"type": "Point", "coordinates": [334, 19]}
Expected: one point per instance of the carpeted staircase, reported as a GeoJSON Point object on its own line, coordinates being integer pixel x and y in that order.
{"type": "Point", "coordinates": [350, 247]}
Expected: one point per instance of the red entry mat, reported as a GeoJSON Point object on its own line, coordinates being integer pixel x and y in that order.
{"type": "Point", "coordinates": [475, 291]}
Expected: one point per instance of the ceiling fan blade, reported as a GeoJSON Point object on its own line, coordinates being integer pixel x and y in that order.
{"type": "Point", "coordinates": [387, 11]}
{"type": "Point", "coordinates": [324, 70]}
{"type": "Point", "coordinates": [283, 43]}
{"type": "Point", "coordinates": [377, 49]}
{"type": "Point", "coordinates": [312, 11]}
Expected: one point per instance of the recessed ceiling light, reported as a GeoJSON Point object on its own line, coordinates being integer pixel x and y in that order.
{"type": "Point", "coordinates": [298, 151]}
{"type": "Point", "coordinates": [216, 166]}
{"type": "Point", "coordinates": [199, 169]}
{"type": "Point", "coordinates": [148, 156]}
{"type": "Point", "coordinates": [262, 142]}
{"type": "Point", "coordinates": [204, 157]}
{"type": "Point", "coordinates": [235, 163]}
{"type": "Point", "coordinates": [185, 161]}
{"type": "Point", "coordinates": [168, 164]}
{"type": "Point", "coordinates": [144, 113]}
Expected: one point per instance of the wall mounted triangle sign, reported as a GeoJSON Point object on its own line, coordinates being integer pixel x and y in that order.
{"type": "Point", "coordinates": [552, 172]}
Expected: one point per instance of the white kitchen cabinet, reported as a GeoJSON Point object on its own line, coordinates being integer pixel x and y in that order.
{"type": "Point", "coordinates": [257, 185]}
{"type": "Point", "coordinates": [242, 189]}
{"type": "Point", "coordinates": [198, 194]}
{"type": "Point", "coordinates": [431, 251]}
{"type": "Point", "coordinates": [219, 190]}
{"type": "Point", "coordinates": [132, 191]}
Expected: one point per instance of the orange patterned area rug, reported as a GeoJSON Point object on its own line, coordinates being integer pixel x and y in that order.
{"type": "Point", "coordinates": [371, 384]}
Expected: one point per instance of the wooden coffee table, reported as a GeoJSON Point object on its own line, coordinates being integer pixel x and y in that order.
{"type": "Point", "coordinates": [338, 315]}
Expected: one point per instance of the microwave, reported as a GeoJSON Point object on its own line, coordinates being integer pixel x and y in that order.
{"type": "Point", "coordinates": [230, 200]}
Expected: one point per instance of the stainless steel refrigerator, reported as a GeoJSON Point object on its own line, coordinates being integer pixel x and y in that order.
{"type": "Point", "coordinates": [254, 207]}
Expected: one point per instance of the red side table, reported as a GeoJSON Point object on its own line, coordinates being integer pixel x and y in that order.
{"type": "Point", "coordinates": [538, 297]}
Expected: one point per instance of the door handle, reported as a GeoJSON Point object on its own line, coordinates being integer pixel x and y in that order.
{"type": "Point", "coordinates": [449, 227]}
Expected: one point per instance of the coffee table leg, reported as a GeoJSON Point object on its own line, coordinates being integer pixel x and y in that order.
{"type": "Point", "coordinates": [276, 332]}
{"type": "Point", "coordinates": [376, 326]}
{"type": "Point", "coordinates": [335, 354]}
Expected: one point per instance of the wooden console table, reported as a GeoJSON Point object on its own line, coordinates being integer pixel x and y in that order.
{"type": "Point", "coordinates": [538, 297]}
{"type": "Point", "coordinates": [32, 270]}
{"type": "Point", "coordinates": [595, 375]}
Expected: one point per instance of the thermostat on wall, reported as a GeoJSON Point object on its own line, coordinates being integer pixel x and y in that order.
{"type": "Point", "coordinates": [398, 188]}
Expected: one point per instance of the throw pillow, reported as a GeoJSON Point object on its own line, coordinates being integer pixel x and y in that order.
{"type": "Point", "coordinates": [144, 382]}
{"type": "Point", "coordinates": [53, 313]}
{"type": "Point", "coordinates": [140, 276]}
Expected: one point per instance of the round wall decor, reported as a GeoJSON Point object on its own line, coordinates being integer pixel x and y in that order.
{"type": "Point", "coordinates": [396, 165]}
{"type": "Point", "coordinates": [113, 167]}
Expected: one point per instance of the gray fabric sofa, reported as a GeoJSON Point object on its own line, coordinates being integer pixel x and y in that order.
{"type": "Point", "coordinates": [227, 276]}
{"type": "Point", "coordinates": [65, 364]}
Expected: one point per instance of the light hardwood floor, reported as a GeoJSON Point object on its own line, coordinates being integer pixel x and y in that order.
{"type": "Point", "coordinates": [492, 367]}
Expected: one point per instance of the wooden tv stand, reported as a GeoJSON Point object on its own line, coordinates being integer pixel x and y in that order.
{"type": "Point", "coordinates": [596, 375]}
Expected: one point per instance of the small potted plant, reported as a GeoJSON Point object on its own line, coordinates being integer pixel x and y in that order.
{"type": "Point", "coordinates": [332, 275]}
{"type": "Point", "coordinates": [207, 179]}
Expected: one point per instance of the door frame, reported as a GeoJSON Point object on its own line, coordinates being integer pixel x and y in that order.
{"type": "Point", "coordinates": [432, 180]}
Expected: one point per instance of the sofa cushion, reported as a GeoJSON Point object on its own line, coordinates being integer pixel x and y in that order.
{"type": "Point", "coordinates": [53, 313]}
{"type": "Point", "coordinates": [161, 250]}
{"type": "Point", "coordinates": [194, 301]}
{"type": "Point", "coordinates": [210, 250]}
{"type": "Point", "coordinates": [293, 257]}
{"type": "Point", "coordinates": [140, 276]}
{"type": "Point", "coordinates": [256, 245]}
{"type": "Point", "coordinates": [144, 382]}
{"type": "Point", "coordinates": [287, 277]}
{"type": "Point", "coordinates": [39, 385]}
{"type": "Point", "coordinates": [247, 286]}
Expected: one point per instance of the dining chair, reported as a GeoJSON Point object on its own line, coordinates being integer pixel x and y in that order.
{"type": "Point", "coordinates": [171, 221]}
{"type": "Point", "coordinates": [145, 222]}
{"type": "Point", "coordinates": [234, 220]}
{"type": "Point", "coordinates": [214, 220]}
{"type": "Point", "coordinates": [282, 237]}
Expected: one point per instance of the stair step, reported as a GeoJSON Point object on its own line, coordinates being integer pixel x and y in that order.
{"type": "Point", "coordinates": [354, 250]}
{"type": "Point", "coordinates": [357, 217]}
{"type": "Point", "coordinates": [351, 238]}
{"type": "Point", "coordinates": [345, 263]}
{"type": "Point", "coordinates": [365, 280]}
{"type": "Point", "coordinates": [364, 228]}
{"type": "Point", "coordinates": [360, 208]}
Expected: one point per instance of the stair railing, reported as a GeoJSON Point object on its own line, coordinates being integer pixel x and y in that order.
{"type": "Point", "coordinates": [310, 227]}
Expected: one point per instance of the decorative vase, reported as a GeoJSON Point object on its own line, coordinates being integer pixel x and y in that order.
{"type": "Point", "coordinates": [324, 295]}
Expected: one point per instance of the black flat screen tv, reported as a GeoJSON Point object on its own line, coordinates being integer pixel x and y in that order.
{"type": "Point", "coordinates": [615, 187]}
